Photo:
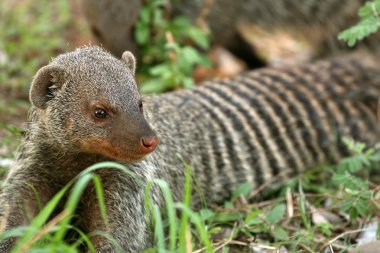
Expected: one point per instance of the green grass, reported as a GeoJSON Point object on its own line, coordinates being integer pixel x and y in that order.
{"type": "Point", "coordinates": [286, 219]}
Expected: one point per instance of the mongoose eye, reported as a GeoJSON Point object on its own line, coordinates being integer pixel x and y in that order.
{"type": "Point", "coordinates": [49, 94]}
{"type": "Point", "coordinates": [100, 113]}
{"type": "Point", "coordinates": [141, 106]}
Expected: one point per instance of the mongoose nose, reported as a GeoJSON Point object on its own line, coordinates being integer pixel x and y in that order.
{"type": "Point", "coordinates": [148, 144]}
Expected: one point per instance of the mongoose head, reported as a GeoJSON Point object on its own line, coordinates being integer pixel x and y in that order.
{"type": "Point", "coordinates": [88, 101]}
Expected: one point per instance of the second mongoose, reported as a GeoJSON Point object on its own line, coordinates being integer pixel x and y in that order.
{"type": "Point", "coordinates": [315, 23]}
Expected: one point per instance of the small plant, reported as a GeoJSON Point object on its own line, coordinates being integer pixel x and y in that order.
{"type": "Point", "coordinates": [171, 48]}
{"type": "Point", "coordinates": [358, 196]}
{"type": "Point", "coordinates": [369, 23]}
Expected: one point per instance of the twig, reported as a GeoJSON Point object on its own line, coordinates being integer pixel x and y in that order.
{"type": "Point", "coordinates": [331, 248]}
{"type": "Point", "coordinates": [329, 243]}
{"type": "Point", "coordinates": [374, 201]}
{"type": "Point", "coordinates": [289, 203]}
{"type": "Point", "coordinates": [171, 53]}
{"type": "Point", "coordinates": [229, 239]}
{"type": "Point", "coordinates": [306, 248]}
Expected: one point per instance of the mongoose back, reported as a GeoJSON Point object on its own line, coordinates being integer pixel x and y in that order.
{"type": "Point", "coordinates": [87, 109]}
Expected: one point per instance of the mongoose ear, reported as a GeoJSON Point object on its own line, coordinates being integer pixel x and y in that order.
{"type": "Point", "coordinates": [44, 83]}
{"type": "Point", "coordinates": [130, 60]}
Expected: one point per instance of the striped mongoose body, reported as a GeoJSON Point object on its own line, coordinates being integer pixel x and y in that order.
{"type": "Point", "coordinates": [318, 23]}
{"type": "Point", "coordinates": [87, 109]}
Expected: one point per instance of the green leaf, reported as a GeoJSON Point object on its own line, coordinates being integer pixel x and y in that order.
{"type": "Point", "coordinates": [346, 204]}
{"type": "Point", "coordinates": [191, 55]}
{"type": "Point", "coordinates": [228, 204]}
{"type": "Point", "coordinates": [254, 221]}
{"type": "Point", "coordinates": [366, 195]}
{"type": "Point", "coordinates": [227, 217]}
{"type": "Point", "coordinates": [356, 184]}
{"type": "Point", "coordinates": [160, 69]}
{"type": "Point", "coordinates": [325, 228]}
{"type": "Point", "coordinates": [144, 16]}
{"type": "Point", "coordinates": [215, 230]}
{"type": "Point", "coordinates": [360, 31]}
{"type": "Point", "coordinates": [353, 213]}
{"type": "Point", "coordinates": [276, 214]}
{"type": "Point", "coordinates": [341, 178]}
{"type": "Point", "coordinates": [370, 9]}
{"type": "Point", "coordinates": [199, 37]}
{"type": "Point", "coordinates": [153, 86]}
{"type": "Point", "coordinates": [188, 83]}
{"type": "Point", "coordinates": [242, 189]}
{"type": "Point", "coordinates": [351, 164]}
{"type": "Point", "coordinates": [362, 206]}
{"type": "Point", "coordinates": [252, 216]}
{"type": "Point", "coordinates": [142, 33]}
{"type": "Point", "coordinates": [350, 182]}
{"type": "Point", "coordinates": [158, 17]}
{"type": "Point", "coordinates": [206, 214]}
{"type": "Point", "coordinates": [181, 22]}
{"type": "Point", "coordinates": [205, 61]}
{"type": "Point", "coordinates": [280, 233]}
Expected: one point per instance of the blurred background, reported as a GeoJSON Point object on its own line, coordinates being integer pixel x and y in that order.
{"type": "Point", "coordinates": [179, 44]}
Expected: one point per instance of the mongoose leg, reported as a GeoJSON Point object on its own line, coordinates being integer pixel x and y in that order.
{"type": "Point", "coordinates": [125, 210]}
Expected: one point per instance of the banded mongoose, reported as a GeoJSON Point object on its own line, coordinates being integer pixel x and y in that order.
{"type": "Point", "coordinates": [317, 22]}
{"type": "Point", "coordinates": [87, 109]}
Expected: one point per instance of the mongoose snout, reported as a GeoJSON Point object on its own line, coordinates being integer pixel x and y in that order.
{"type": "Point", "coordinates": [149, 144]}
{"type": "Point", "coordinates": [126, 136]}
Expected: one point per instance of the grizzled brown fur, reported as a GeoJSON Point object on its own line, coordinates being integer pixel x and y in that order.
{"type": "Point", "coordinates": [87, 109]}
